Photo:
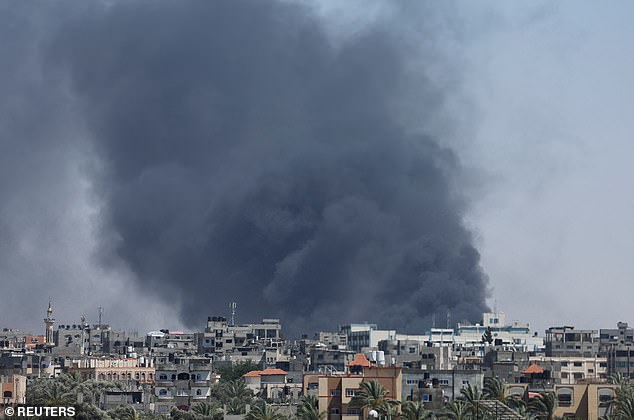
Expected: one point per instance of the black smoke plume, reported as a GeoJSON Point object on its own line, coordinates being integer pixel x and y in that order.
{"type": "Point", "coordinates": [246, 155]}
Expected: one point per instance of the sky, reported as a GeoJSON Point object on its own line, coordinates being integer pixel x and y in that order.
{"type": "Point", "coordinates": [536, 105]}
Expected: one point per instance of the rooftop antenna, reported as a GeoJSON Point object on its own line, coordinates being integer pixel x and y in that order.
{"type": "Point", "coordinates": [233, 307]}
{"type": "Point", "coordinates": [448, 318]}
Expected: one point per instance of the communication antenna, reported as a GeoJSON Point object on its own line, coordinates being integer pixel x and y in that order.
{"type": "Point", "coordinates": [233, 307]}
{"type": "Point", "coordinates": [448, 318]}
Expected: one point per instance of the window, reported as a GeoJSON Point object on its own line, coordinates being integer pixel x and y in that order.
{"type": "Point", "coordinates": [564, 363]}
{"type": "Point", "coordinates": [335, 392]}
{"type": "Point", "coordinates": [162, 392]}
{"type": "Point", "coordinates": [578, 364]}
{"type": "Point", "coordinates": [564, 397]}
{"type": "Point", "coordinates": [465, 383]}
{"type": "Point", "coordinates": [426, 397]}
{"type": "Point", "coordinates": [443, 381]}
{"type": "Point", "coordinates": [334, 410]}
{"type": "Point", "coordinates": [354, 411]}
{"type": "Point", "coordinates": [351, 392]}
{"type": "Point", "coordinates": [313, 386]}
{"type": "Point", "coordinates": [199, 392]}
{"type": "Point", "coordinates": [578, 375]}
{"type": "Point", "coordinates": [7, 394]}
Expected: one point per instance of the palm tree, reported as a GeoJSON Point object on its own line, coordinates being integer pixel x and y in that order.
{"type": "Point", "coordinates": [543, 406]}
{"type": "Point", "coordinates": [494, 389]}
{"type": "Point", "coordinates": [236, 389]}
{"type": "Point", "coordinates": [57, 394]}
{"type": "Point", "coordinates": [125, 413]}
{"type": "Point", "coordinates": [472, 396]}
{"type": "Point", "coordinates": [209, 411]}
{"type": "Point", "coordinates": [415, 410]}
{"type": "Point", "coordinates": [373, 396]}
{"type": "Point", "coordinates": [308, 409]}
{"type": "Point", "coordinates": [263, 412]}
{"type": "Point", "coordinates": [623, 402]}
{"type": "Point", "coordinates": [236, 407]}
{"type": "Point", "coordinates": [458, 410]}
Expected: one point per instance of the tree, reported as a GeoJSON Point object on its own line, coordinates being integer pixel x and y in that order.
{"type": "Point", "coordinates": [543, 406]}
{"type": "Point", "coordinates": [208, 411]}
{"type": "Point", "coordinates": [487, 337]}
{"type": "Point", "coordinates": [308, 409]}
{"type": "Point", "coordinates": [263, 411]}
{"type": "Point", "coordinates": [236, 389]}
{"type": "Point", "coordinates": [472, 396]}
{"type": "Point", "coordinates": [373, 396]}
{"type": "Point", "coordinates": [124, 412]}
{"type": "Point", "coordinates": [234, 372]}
{"type": "Point", "coordinates": [458, 410]}
{"type": "Point", "coordinates": [56, 394]}
{"type": "Point", "coordinates": [415, 410]}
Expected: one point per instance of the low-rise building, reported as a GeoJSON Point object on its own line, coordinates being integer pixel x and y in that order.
{"type": "Point", "coordinates": [13, 389]}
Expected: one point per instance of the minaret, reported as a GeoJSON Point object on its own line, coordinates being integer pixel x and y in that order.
{"type": "Point", "coordinates": [49, 321]}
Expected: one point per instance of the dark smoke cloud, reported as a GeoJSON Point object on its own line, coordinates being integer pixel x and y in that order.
{"type": "Point", "coordinates": [246, 156]}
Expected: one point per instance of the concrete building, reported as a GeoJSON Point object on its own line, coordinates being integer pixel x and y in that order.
{"type": "Point", "coordinates": [336, 391]}
{"type": "Point", "coordinates": [183, 382]}
{"type": "Point", "coordinates": [30, 365]}
{"type": "Point", "coordinates": [13, 389]}
{"type": "Point", "coordinates": [505, 364]}
{"type": "Point", "coordinates": [131, 371]}
{"type": "Point", "coordinates": [573, 370]}
{"type": "Point", "coordinates": [515, 334]}
{"type": "Point", "coordinates": [568, 341]}
{"type": "Point", "coordinates": [323, 359]}
{"type": "Point", "coordinates": [581, 401]}
{"type": "Point", "coordinates": [617, 345]}
{"type": "Point", "coordinates": [272, 385]}
{"type": "Point", "coordinates": [450, 382]}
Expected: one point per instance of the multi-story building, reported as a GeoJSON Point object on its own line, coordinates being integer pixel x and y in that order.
{"type": "Point", "coordinates": [570, 342]}
{"type": "Point", "coordinates": [572, 370]}
{"type": "Point", "coordinates": [30, 365]}
{"type": "Point", "coordinates": [133, 371]}
{"type": "Point", "coordinates": [221, 338]}
{"type": "Point", "coordinates": [166, 341]}
{"type": "Point", "coordinates": [12, 339]}
{"type": "Point", "coordinates": [505, 364]}
{"type": "Point", "coordinates": [183, 381]}
{"type": "Point", "coordinates": [336, 391]}
{"type": "Point", "coordinates": [325, 359]}
{"type": "Point", "coordinates": [617, 345]}
{"type": "Point", "coordinates": [449, 381]}
{"type": "Point", "coordinates": [580, 401]}
{"type": "Point", "coordinates": [515, 334]}
{"type": "Point", "coordinates": [272, 384]}
{"type": "Point", "coordinates": [13, 389]}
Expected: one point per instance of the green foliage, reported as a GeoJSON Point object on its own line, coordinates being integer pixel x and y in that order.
{"type": "Point", "coordinates": [373, 396]}
{"type": "Point", "coordinates": [543, 406]}
{"type": "Point", "coordinates": [235, 372]}
{"type": "Point", "coordinates": [458, 410]}
{"type": "Point", "coordinates": [262, 411]}
{"type": "Point", "coordinates": [415, 410]}
{"type": "Point", "coordinates": [308, 409]}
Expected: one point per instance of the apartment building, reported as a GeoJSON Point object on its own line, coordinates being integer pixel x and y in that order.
{"type": "Point", "coordinates": [183, 381]}
{"type": "Point", "coordinates": [336, 391]}
{"type": "Point", "coordinates": [568, 341]}
{"type": "Point", "coordinates": [580, 401]}
{"type": "Point", "coordinates": [450, 382]}
{"type": "Point", "coordinates": [570, 370]}
{"type": "Point", "coordinates": [132, 371]}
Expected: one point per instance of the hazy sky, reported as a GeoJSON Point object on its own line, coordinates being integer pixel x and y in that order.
{"type": "Point", "coordinates": [539, 108]}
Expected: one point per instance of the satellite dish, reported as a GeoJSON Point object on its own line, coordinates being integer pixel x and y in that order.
{"type": "Point", "coordinates": [373, 414]}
